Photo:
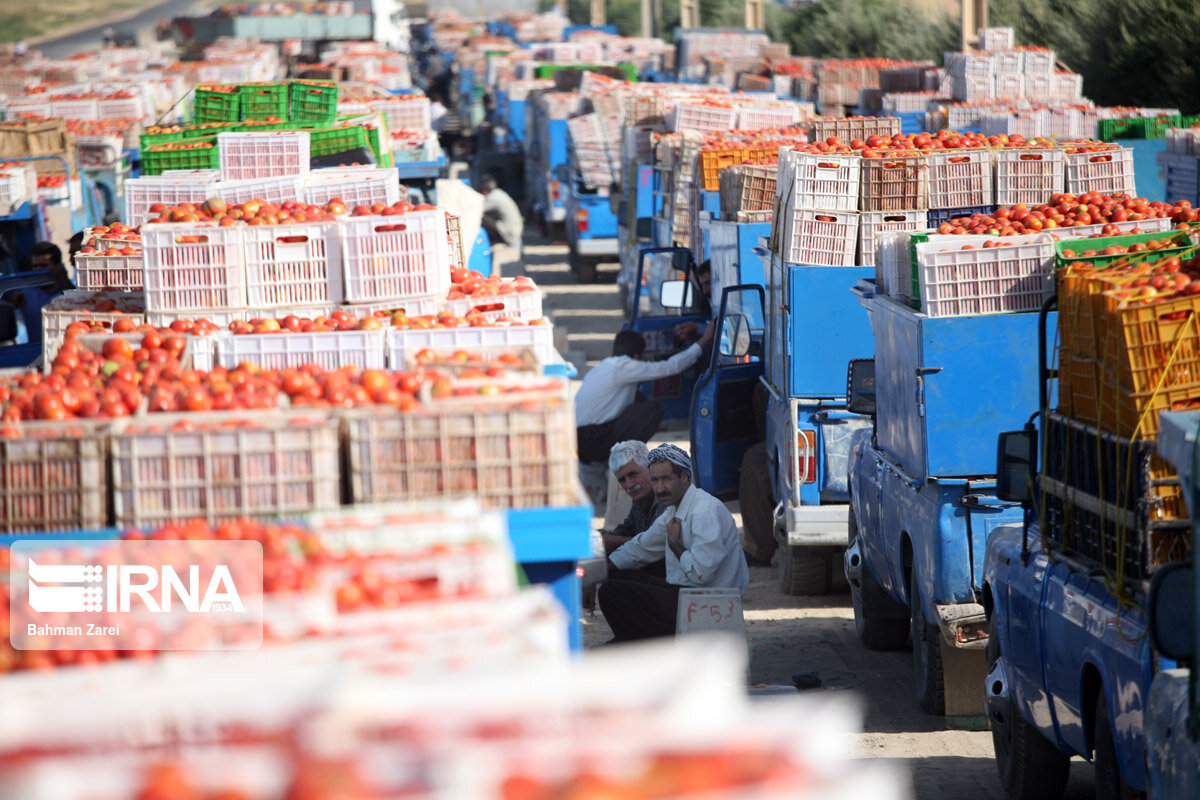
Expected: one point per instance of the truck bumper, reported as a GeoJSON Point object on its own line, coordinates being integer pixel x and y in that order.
{"type": "Point", "coordinates": [557, 214]}
{"type": "Point", "coordinates": [963, 625]}
{"type": "Point", "coordinates": [597, 247]}
{"type": "Point", "coordinates": [809, 526]}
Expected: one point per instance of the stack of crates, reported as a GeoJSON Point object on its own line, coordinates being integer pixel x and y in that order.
{"type": "Point", "coordinates": [817, 195]}
{"type": "Point", "coordinates": [1125, 355]}
{"type": "Point", "coordinates": [1180, 165]}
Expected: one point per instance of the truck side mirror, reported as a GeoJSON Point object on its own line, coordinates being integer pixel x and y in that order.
{"type": "Point", "coordinates": [1171, 612]}
{"type": "Point", "coordinates": [676, 294]}
{"type": "Point", "coordinates": [1015, 466]}
{"type": "Point", "coordinates": [860, 386]}
{"type": "Point", "coordinates": [735, 336]}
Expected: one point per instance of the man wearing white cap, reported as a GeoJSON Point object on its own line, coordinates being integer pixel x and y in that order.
{"type": "Point", "coordinates": [697, 536]}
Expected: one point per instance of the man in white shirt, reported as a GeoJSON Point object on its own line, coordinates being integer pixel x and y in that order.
{"type": "Point", "coordinates": [605, 407]}
{"type": "Point", "coordinates": [697, 536]}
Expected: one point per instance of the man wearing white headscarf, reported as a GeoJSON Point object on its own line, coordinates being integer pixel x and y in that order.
{"type": "Point", "coordinates": [699, 540]}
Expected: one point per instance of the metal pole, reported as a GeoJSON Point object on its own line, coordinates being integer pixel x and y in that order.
{"type": "Point", "coordinates": [754, 15]}
{"type": "Point", "coordinates": [598, 12]}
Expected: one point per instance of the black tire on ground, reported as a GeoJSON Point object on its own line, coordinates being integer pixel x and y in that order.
{"type": "Point", "coordinates": [876, 633]}
{"type": "Point", "coordinates": [805, 570]}
{"type": "Point", "coordinates": [1109, 784]}
{"type": "Point", "coordinates": [758, 513]}
{"type": "Point", "coordinates": [1030, 767]}
{"type": "Point", "coordinates": [587, 270]}
{"type": "Point", "coordinates": [927, 655]}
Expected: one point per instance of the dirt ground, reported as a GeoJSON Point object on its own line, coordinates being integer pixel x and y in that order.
{"type": "Point", "coordinates": [791, 635]}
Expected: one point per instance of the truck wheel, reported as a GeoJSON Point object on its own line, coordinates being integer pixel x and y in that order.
{"type": "Point", "coordinates": [876, 633]}
{"type": "Point", "coordinates": [805, 570]}
{"type": "Point", "coordinates": [754, 497]}
{"type": "Point", "coordinates": [587, 270]}
{"type": "Point", "coordinates": [1030, 767]}
{"type": "Point", "coordinates": [1109, 784]}
{"type": "Point", "coordinates": [927, 655]}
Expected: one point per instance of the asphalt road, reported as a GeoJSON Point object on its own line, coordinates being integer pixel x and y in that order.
{"type": "Point", "coordinates": [89, 38]}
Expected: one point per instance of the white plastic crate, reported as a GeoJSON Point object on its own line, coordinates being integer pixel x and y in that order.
{"type": "Point", "coordinates": [702, 118]}
{"type": "Point", "coordinates": [219, 317]}
{"type": "Point", "coordinates": [121, 108]}
{"type": "Point", "coordinates": [1183, 141]}
{"type": "Point", "coordinates": [509, 452]}
{"type": "Point", "coordinates": [55, 193]}
{"type": "Point", "coordinates": [1039, 87]}
{"type": "Point", "coordinates": [411, 306]}
{"type": "Point", "coordinates": [1150, 225]}
{"type": "Point", "coordinates": [1016, 276]}
{"type": "Point", "coordinates": [1029, 124]}
{"type": "Point", "coordinates": [96, 272]}
{"type": "Point", "coordinates": [292, 265]}
{"type": "Point", "coordinates": [329, 349]}
{"type": "Point", "coordinates": [411, 112]}
{"type": "Point", "coordinates": [1008, 85]}
{"type": "Point", "coordinates": [960, 178]}
{"type": "Point", "coordinates": [754, 118]}
{"type": "Point", "coordinates": [812, 180]}
{"type": "Point", "coordinates": [245, 156]}
{"type": "Point", "coordinates": [1039, 62]}
{"type": "Point", "coordinates": [1028, 176]}
{"type": "Point", "coordinates": [820, 238]}
{"type": "Point", "coordinates": [15, 187]}
{"type": "Point", "coordinates": [394, 257]}
{"type": "Point", "coordinates": [74, 306]}
{"type": "Point", "coordinates": [523, 306]}
{"type": "Point", "coordinates": [538, 338]}
{"type": "Point", "coordinates": [38, 106]}
{"type": "Point", "coordinates": [193, 267]}
{"type": "Point", "coordinates": [1066, 123]}
{"type": "Point", "coordinates": [276, 190]}
{"type": "Point", "coordinates": [893, 264]}
{"type": "Point", "coordinates": [1066, 86]}
{"type": "Point", "coordinates": [972, 90]}
{"type": "Point", "coordinates": [993, 39]}
{"type": "Point", "coordinates": [86, 108]}
{"type": "Point", "coordinates": [168, 467]}
{"type": "Point", "coordinates": [356, 186]}
{"type": "Point", "coordinates": [53, 477]}
{"type": "Point", "coordinates": [894, 183]}
{"type": "Point", "coordinates": [873, 224]}
{"type": "Point", "coordinates": [170, 190]}
{"type": "Point", "coordinates": [1008, 62]}
{"type": "Point", "coordinates": [1108, 172]}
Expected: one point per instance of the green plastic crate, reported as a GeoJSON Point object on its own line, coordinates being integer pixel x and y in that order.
{"type": "Point", "coordinates": [327, 141]}
{"type": "Point", "coordinates": [1137, 127]}
{"type": "Point", "coordinates": [156, 162]}
{"type": "Point", "coordinates": [148, 140]}
{"type": "Point", "coordinates": [1182, 238]}
{"type": "Point", "coordinates": [262, 100]}
{"type": "Point", "coordinates": [313, 101]}
{"type": "Point", "coordinates": [214, 106]}
{"type": "Point", "coordinates": [548, 70]}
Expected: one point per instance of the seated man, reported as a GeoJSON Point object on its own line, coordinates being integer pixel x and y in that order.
{"type": "Point", "coordinates": [605, 407]}
{"type": "Point", "coordinates": [630, 463]}
{"type": "Point", "coordinates": [697, 536]}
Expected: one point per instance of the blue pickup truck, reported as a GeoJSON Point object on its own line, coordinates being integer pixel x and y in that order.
{"type": "Point", "coordinates": [768, 416]}
{"type": "Point", "coordinates": [922, 486]}
{"type": "Point", "coordinates": [1070, 664]}
{"type": "Point", "coordinates": [1172, 720]}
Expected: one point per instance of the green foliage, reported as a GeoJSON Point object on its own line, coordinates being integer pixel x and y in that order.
{"type": "Point", "coordinates": [868, 28]}
{"type": "Point", "coordinates": [1130, 52]}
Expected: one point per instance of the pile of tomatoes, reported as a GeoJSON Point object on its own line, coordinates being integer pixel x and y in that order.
{"type": "Point", "coordinates": [1068, 210]}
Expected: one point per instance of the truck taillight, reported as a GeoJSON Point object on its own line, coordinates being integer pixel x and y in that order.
{"type": "Point", "coordinates": [555, 188]}
{"type": "Point", "coordinates": [581, 220]}
{"type": "Point", "coordinates": [806, 456]}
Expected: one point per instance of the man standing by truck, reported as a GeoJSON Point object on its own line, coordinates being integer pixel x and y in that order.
{"type": "Point", "coordinates": [606, 411]}
{"type": "Point", "coordinates": [696, 535]}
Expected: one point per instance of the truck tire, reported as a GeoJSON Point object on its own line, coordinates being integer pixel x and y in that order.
{"type": "Point", "coordinates": [876, 633]}
{"type": "Point", "coordinates": [1030, 767]}
{"type": "Point", "coordinates": [758, 514]}
{"type": "Point", "coordinates": [587, 270]}
{"type": "Point", "coordinates": [928, 678]}
{"type": "Point", "coordinates": [1109, 783]}
{"type": "Point", "coordinates": [805, 570]}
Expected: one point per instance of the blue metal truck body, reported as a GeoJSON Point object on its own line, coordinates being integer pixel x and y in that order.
{"type": "Point", "coordinates": [1065, 640]}
{"type": "Point", "coordinates": [922, 485]}
{"type": "Point", "coordinates": [1172, 710]}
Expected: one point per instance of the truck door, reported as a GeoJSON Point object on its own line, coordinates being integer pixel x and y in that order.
{"type": "Point", "coordinates": [656, 322]}
{"type": "Point", "coordinates": [724, 424]}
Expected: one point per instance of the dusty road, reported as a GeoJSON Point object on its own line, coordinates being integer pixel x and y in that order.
{"type": "Point", "coordinates": [789, 635]}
